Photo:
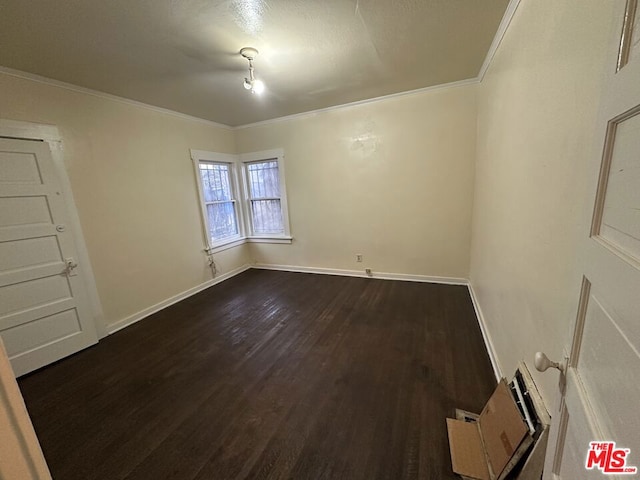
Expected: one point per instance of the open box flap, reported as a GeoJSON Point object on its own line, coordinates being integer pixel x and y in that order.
{"type": "Point", "coordinates": [501, 428]}
{"type": "Point", "coordinates": [467, 454]}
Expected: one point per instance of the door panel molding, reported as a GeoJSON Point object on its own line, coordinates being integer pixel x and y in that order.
{"type": "Point", "coordinates": [624, 51]}
{"type": "Point", "coordinates": [25, 288]}
{"type": "Point", "coordinates": [622, 243]}
{"type": "Point", "coordinates": [50, 135]}
{"type": "Point", "coordinates": [576, 343]}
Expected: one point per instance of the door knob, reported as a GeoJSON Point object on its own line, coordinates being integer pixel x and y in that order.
{"type": "Point", "coordinates": [542, 363]}
{"type": "Point", "coordinates": [71, 266]}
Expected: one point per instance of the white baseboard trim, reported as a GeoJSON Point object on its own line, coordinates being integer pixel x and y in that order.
{"type": "Point", "coordinates": [136, 317]}
{"type": "Point", "coordinates": [360, 273]}
{"type": "Point", "coordinates": [497, 370]}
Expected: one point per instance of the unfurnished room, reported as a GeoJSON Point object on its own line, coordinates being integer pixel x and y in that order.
{"type": "Point", "coordinates": [319, 239]}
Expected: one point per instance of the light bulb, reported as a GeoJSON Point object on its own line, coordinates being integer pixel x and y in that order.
{"type": "Point", "coordinates": [247, 84]}
{"type": "Point", "coordinates": [258, 87]}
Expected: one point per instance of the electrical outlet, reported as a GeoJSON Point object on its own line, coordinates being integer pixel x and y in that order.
{"type": "Point", "coordinates": [359, 257]}
{"type": "Point", "coordinates": [368, 272]}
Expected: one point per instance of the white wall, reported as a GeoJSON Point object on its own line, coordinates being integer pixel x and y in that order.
{"type": "Point", "coordinates": [134, 186]}
{"type": "Point", "coordinates": [391, 180]}
{"type": "Point", "coordinates": [536, 111]}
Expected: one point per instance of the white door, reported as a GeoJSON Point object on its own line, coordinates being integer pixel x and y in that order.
{"type": "Point", "coordinates": [602, 382]}
{"type": "Point", "coordinates": [44, 314]}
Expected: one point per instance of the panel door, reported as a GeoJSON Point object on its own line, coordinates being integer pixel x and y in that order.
{"type": "Point", "coordinates": [44, 314]}
{"type": "Point", "coordinates": [601, 388]}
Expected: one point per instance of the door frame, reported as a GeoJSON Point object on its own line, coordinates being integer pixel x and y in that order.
{"type": "Point", "coordinates": [20, 452]}
{"type": "Point", "coordinates": [50, 134]}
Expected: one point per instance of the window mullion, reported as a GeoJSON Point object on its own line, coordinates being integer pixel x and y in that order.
{"type": "Point", "coordinates": [218, 202]}
{"type": "Point", "coordinates": [263, 198]}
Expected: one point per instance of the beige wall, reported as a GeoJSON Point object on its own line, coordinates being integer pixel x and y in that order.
{"type": "Point", "coordinates": [391, 180]}
{"type": "Point", "coordinates": [536, 111]}
{"type": "Point", "coordinates": [134, 187]}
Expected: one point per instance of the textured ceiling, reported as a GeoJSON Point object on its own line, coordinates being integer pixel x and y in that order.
{"type": "Point", "coordinates": [183, 54]}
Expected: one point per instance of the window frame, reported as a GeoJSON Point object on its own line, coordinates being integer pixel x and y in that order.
{"type": "Point", "coordinates": [240, 192]}
{"type": "Point", "coordinates": [265, 156]}
{"type": "Point", "coordinates": [201, 156]}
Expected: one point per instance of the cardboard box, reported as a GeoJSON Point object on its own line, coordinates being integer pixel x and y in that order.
{"type": "Point", "coordinates": [530, 466]}
{"type": "Point", "coordinates": [488, 448]}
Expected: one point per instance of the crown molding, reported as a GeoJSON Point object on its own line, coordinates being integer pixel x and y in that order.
{"type": "Point", "coordinates": [311, 113]}
{"type": "Point", "coordinates": [495, 44]}
{"type": "Point", "coordinates": [497, 39]}
{"type": "Point", "coordinates": [75, 88]}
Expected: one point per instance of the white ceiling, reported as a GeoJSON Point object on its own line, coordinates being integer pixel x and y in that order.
{"type": "Point", "coordinates": [183, 54]}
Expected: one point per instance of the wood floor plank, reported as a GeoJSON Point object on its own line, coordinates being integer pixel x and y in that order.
{"type": "Point", "coordinates": [270, 375]}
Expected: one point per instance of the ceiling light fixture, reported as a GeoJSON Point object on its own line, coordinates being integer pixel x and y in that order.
{"type": "Point", "coordinates": [252, 83]}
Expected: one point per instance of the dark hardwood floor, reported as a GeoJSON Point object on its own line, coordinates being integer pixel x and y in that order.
{"type": "Point", "coordinates": [270, 375]}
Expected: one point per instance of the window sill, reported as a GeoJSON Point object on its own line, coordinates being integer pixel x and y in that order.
{"type": "Point", "coordinates": [266, 239]}
{"type": "Point", "coordinates": [225, 245]}
{"type": "Point", "coordinates": [235, 242]}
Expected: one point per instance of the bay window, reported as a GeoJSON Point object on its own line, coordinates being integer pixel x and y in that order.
{"type": "Point", "coordinates": [242, 198]}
